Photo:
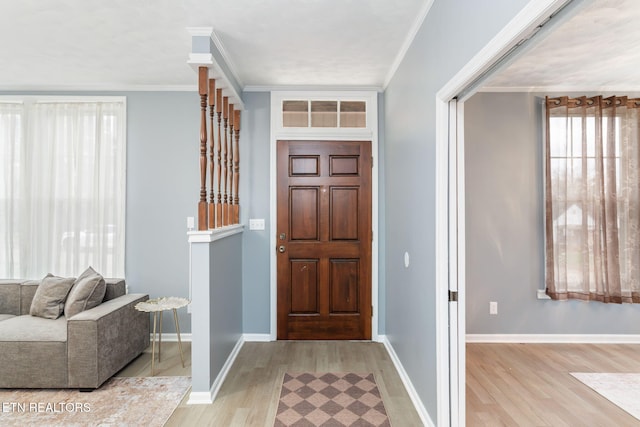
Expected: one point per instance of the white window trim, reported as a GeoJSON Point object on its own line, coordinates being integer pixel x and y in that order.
{"type": "Point", "coordinates": [33, 99]}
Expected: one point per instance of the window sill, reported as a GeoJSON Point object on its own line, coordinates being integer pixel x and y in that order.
{"type": "Point", "coordinates": [542, 295]}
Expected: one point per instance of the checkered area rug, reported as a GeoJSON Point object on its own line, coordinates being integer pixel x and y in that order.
{"type": "Point", "coordinates": [330, 400]}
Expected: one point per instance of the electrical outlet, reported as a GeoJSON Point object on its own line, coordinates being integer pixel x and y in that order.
{"type": "Point", "coordinates": [493, 307]}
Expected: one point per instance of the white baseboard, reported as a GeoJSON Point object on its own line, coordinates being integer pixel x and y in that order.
{"type": "Point", "coordinates": [173, 337]}
{"type": "Point", "coordinates": [413, 394]}
{"type": "Point", "coordinates": [206, 398]}
{"type": "Point", "coordinates": [554, 338]}
{"type": "Point", "coordinates": [200, 398]}
{"type": "Point", "coordinates": [257, 337]}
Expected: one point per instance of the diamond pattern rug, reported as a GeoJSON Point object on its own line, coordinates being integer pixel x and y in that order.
{"type": "Point", "coordinates": [330, 400]}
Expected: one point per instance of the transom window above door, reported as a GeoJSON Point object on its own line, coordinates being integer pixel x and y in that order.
{"type": "Point", "coordinates": [324, 114]}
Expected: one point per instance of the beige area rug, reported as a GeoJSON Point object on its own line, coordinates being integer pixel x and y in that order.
{"type": "Point", "coordinates": [147, 401]}
{"type": "Point", "coordinates": [621, 389]}
{"type": "Point", "coordinates": [330, 400]}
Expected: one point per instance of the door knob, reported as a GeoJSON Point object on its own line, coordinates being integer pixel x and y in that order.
{"type": "Point", "coordinates": [281, 249]}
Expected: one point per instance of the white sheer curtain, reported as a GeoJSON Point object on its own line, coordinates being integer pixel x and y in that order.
{"type": "Point", "coordinates": [592, 191]}
{"type": "Point", "coordinates": [62, 205]}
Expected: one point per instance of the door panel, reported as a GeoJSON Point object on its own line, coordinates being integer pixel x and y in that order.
{"type": "Point", "coordinates": [304, 203]}
{"type": "Point", "coordinates": [304, 296]}
{"type": "Point", "coordinates": [345, 279]}
{"type": "Point", "coordinates": [343, 213]}
{"type": "Point", "coordinates": [324, 239]}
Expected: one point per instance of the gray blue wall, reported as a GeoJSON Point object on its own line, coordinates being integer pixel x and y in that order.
{"type": "Point", "coordinates": [162, 190]}
{"type": "Point", "coordinates": [504, 226]}
{"type": "Point", "coordinates": [255, 152]}
{"type": "Point", "coordinates": [217, 307]}
{"type": "Point", "coordinates": [225, 299]}
{"type": "Point", "coordinates": [453, 31]}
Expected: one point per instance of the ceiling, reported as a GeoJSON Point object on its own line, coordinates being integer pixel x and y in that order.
{"type": "Point", "coordinates": [144, 44]}
{"type": "Point", "coordinates": [598, 49]}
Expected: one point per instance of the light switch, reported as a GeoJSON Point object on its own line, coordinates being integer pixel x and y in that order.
{"type": "Point", "coordinates": [256, 224]}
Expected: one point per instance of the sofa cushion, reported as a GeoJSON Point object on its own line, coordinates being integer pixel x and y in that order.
{"type": "Point", "coordinates": [33, 352]}
{"type": "Point", "coordinates": [115, 288]}
{"type": "Point", "coordinates": [87, 292]}
{"type": "Point", "coordinates": [27, 292]}
{"type": "Point", "coordinates": [10, 297]}
{"type": "Point", "coordinates": [33, 329]}
{"type": "Point", "coordinates": [48, 302]}
{"type": "Point", "coordinates": [6, 316]}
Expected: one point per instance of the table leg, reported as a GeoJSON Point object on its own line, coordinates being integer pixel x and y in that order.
{"type": "Point", "coordinates": [175, 318]}
{"type": "Point", "coordinates": [160, 340]}
{"type": "Point", "coordinates": [153, 345]}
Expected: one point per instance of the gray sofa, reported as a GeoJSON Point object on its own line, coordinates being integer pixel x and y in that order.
{"type": "Point", "coordinates": [80, 352]}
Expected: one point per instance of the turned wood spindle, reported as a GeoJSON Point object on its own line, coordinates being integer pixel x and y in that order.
{"type": "Point", "coordinates": [225, 117]}
{"type": "Point", "coordinates": [236, 168]}
{"type": "Point", "coordinates": [203, 75]}
{"type": "Point", "coordinates": [219, 154]}
{"type": "Point", "coordinates": [212, 100]}
{"type": "Point", "coordinates": [230, 205]}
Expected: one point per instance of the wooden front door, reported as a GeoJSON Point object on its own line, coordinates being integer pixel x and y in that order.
{"type": "Point", "coordinates": [324, 239]}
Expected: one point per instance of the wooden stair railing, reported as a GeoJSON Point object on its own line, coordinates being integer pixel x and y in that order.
{"type": "Point", "coordinates": [220, 159]}
{"type": "Point", "coordinates": [203, 75]}
{"type": "Point", "coordinates": [230, 205]}
{"type": "Point", "coordinates": [212, 113]}
{"type": "Point", "coordinates": [225, 157]}
{"type": "Point", "coordinates": [236, 168]}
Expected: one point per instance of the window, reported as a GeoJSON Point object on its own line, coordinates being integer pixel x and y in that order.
{"type": "Point", "coordinates": [324, 114]}
{"type": "Point", "coordinates": [62, 186]}
{"type": "Point", "coordinates": [592, 199]}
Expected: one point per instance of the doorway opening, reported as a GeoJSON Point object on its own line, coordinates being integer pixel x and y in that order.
{"type": "Point", "coordinates": [356, 120]}
{"type": "Point", "coordinates": [513, 40]}
{"type": "Point", "coordinates": [324, 240]}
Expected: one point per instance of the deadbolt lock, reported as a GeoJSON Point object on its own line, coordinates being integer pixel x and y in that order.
{"type": "Point", "coordinates": [282, 236]}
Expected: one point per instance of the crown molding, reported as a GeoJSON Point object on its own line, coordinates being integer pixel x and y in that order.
{"type": "Point", "coordinates": [200, 31]}
{"type": "Point", "coordinates": [226, 58]}
{"type": "Point", "coordinates": [562, 89]}
{"type": "Point", "coordinates": [311, 88]}
{"type": "Point", "coordinates": [197, 60]}
{"type": "Point", "coordinates": [411, 35]}
{"type": "Point", "coordinates": [99, 88]}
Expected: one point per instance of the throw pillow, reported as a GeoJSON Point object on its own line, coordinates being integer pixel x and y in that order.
{"type": "Point", "coordinates": [48, 301]}
{"type": "Point", "coordinates": [87, 292]}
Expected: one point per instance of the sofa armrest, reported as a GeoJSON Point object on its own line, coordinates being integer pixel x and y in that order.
{"type": "Point", "coordinates": [104, 339]}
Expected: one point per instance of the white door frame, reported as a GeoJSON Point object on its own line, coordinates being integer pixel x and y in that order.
{"type": "Point", "coordinates": [369, 133]}
{"type": "Point", "coordinates": [450, 207]}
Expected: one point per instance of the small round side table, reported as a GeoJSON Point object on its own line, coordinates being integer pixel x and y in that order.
{"type": "Point", "coordinates": [158, 305]}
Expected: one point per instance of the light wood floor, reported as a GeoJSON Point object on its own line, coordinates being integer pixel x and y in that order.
{"type": "Point", "coordinates": [249, 395]}
{"type": "Point", "coordinates": [530, 385]}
